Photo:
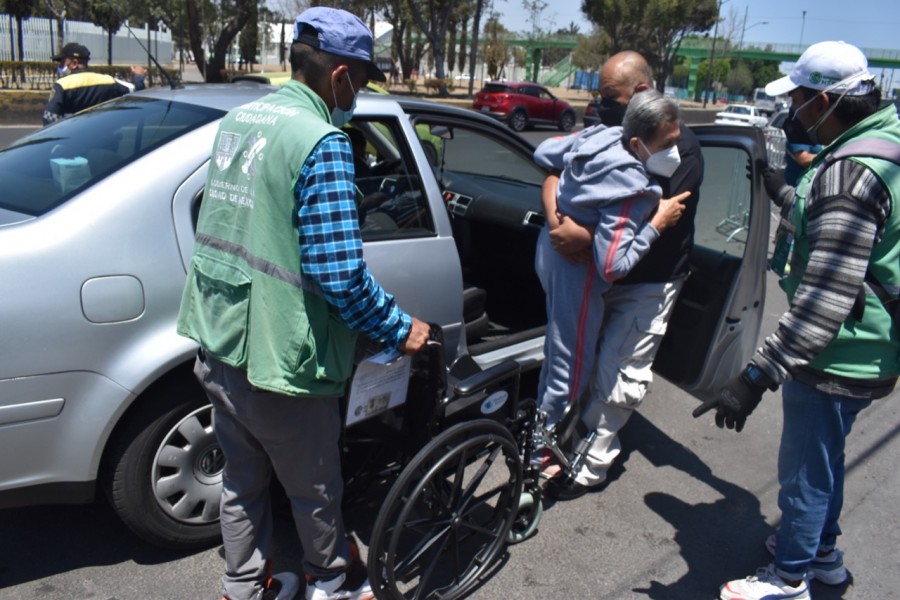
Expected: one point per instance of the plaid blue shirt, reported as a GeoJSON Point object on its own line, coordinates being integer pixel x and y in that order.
{"type": "Point", "coordinates": [331, 250]}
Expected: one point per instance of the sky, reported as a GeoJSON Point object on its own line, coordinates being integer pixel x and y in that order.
{"type": "Point", "coordinates": [869, 24]}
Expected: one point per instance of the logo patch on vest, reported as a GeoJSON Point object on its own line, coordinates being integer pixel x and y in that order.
{"type": "Point", "coordinates": [227, 149]}
{"type": "Point", "coordinates": [253, 155]}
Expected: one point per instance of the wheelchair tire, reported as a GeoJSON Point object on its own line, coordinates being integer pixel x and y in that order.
{"type": "Point", "coordinates": [448, 515]}
{"type": "Point", "coordinates": [528, 515]}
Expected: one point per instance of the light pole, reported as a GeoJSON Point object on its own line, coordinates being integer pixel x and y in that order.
{"type": "Point", "coordinates": [744, 28]}
{"type": "Point", "coordinates": [802, 27]}
{"type": "Point", "coordinates": [712, 53]}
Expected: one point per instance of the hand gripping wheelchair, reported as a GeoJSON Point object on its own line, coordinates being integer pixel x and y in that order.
{"type": "Point", "coordinates": [457, 457]}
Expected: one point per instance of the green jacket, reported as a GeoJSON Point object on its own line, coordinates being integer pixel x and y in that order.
{"type": "Point", "coordinates": [868, 348]}
{"type": "Point", "coordinates": [246, 301]}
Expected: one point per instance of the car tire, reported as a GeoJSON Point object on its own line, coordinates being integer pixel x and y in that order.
{"type": "Point", "coordinates": [518, 120]}
{"type": "Point", "coordinates": [567, 121]}
{"type": "Point", "coordinates": [163, 471]}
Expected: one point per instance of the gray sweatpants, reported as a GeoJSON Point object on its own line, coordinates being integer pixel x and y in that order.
{"type": "Point", "coordinates": [259, 432]}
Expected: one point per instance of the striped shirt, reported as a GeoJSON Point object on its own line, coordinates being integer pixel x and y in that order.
{"type": "Point", "coordinates": [331, 250]}
{"type": "Point", "coordinates": [846, 213]}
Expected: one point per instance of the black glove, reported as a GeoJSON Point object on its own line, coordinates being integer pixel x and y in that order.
{"type": "Point", "coordinates": [773, 180]}
{"type": "Point", "coordinates": [738, 398]}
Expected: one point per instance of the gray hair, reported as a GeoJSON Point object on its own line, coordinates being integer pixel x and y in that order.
{"type": "Point", "coordinates": [646, 111]}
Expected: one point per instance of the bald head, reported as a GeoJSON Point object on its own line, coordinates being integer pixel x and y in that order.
{"type": "Point", "coordinates": [623, 75]}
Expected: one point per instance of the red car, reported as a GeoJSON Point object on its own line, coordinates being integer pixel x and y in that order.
{"type": "Point", "coordinates": [523, 104]}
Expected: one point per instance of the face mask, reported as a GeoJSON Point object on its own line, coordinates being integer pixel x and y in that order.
{"type": "Point", "coordinates": [663, 163]}
{"type": "Point", "coordinates": [339, 116]}
{"type": "Point", "coordinates": [794, 130]}
{"type": "Point", "coordinates": [610, 112]}
{"type": "Point", "coordinates": [62, 71]}
{"type": "Point", "coordinates": [813, 131]}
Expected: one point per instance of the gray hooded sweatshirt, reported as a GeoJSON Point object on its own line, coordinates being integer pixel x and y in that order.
{"type": "Point", "coordinates": [603, 185]}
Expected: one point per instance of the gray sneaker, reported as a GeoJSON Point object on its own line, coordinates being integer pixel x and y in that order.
{"type": "Point", "coordinates": [829, 569]}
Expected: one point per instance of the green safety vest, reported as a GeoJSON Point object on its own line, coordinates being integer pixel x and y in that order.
{"type": "Point", "coordinates": [868, 348]}
{"type": "Point", "coordinates": [246, 300]}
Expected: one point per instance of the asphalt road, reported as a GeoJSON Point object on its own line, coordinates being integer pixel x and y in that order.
{"type": "Point", "coordinates": [687, 508]}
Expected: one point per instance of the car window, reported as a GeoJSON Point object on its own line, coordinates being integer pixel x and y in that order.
{"type": "Point", "coordinates": [43, 170]}
{"type": "Point", "coordinates": [473, 152]}
{"type": "Point", "coordinates": [495, 88]}
{"type": "Point", "coordinates": [723, 214]}
{"type": "Point", "coordinates": [392, 201]}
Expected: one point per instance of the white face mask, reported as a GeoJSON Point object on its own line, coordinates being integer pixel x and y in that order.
{"type": "Point", "coordinates": [663, 163]}
{"type": "Point", "coordinates": [339, 116]}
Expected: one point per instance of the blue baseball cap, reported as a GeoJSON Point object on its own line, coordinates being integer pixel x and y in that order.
{"type": "Point", "coordinates": [338, 32]}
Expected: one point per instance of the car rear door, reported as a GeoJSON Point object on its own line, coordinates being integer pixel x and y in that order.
{"type": "Point", "coordinates": [714, 327]}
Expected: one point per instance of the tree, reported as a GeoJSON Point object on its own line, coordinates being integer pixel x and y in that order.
{"type": "Point", "coordinates": [108, 14]}
{"type": "Point", "coordinates": [496, 52]}
{"type": "Point", "coordinates": [250, 38]}
{"type": "Point", "coordinates": [739, 79]}
{"type": "Point", "coordinates": [655, 28]}
{"type": "Point", "coordinates": [433, 19]}
{"type": "Point", "coordinates": [21, 10]}
{"type": "Point", "coordinates": [719, 73]}
{"type": "Point", "coordinates": [233, 18]}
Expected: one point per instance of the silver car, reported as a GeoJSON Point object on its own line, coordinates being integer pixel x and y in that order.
{"type": "Point", "coordinates": [97, 217]}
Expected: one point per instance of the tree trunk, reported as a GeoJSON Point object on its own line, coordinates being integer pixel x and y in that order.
{"type": "Point", "coordinates": [473, 53]}
{"type": "Point", "coordinates": [21, 40]}
{"type": "Point", "coordinates": [195, 36]}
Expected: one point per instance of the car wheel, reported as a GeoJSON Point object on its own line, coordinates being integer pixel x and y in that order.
{"type": "Point", "coordinates": [517, 120]}
{"type": "Point", "coordinates": [163, 472]}
{"type": "Point", "coordinates": [566, 122]}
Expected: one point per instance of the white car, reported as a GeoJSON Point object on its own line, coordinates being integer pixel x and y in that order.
{"type": "Point", "coordinates": [742, 114]}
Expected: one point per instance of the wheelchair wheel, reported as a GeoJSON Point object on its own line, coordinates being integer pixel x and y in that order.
{"type": "Point", "coordinates": [528, 514]}
{"type": "Point", "coordinates": [448, 516]}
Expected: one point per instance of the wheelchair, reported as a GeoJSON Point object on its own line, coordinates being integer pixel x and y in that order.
{"type": "Point", "coordinates": [456, 456]}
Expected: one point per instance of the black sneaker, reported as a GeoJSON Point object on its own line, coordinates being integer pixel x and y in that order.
{"type": "Point", "coordinates": [566, 488]}
{"type": "Point", "coordinates": [281, 586]}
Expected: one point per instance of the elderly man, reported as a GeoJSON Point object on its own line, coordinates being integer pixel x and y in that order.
{"type": "Point", "coordinates": [276, 291]}
{"type": "Point", "coordinates": [837, 348]}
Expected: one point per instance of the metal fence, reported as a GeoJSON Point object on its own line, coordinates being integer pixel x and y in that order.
{"type": "Point", "coordinates": [40, 41]}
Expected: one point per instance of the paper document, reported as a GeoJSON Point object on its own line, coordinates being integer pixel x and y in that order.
{"type": "Point", "coordinates": [380, 383]}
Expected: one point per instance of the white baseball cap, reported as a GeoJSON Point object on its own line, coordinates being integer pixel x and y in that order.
{"type": "Point", "coordinates": [828, 66]}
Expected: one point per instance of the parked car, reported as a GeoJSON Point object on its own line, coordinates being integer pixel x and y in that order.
{"type": "Point", "coordinates": [742, 114]}
{"type": "Point", "coordinates": [523, 104]}
{"type": "Point", "coordinates": [97, 216]}
{"type": "Point", "coordinates": [592, 112]}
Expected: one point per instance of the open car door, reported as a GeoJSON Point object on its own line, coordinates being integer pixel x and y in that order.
{"type": "Point", "coordinates": [714, 327]}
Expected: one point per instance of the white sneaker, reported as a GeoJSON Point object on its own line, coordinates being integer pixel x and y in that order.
{"type": "Point", "coordinates": [765, 585]}
{"type": "Point", "coordinates": [351, 585]}
{"type": "Point", "coordinates": [829, 569]}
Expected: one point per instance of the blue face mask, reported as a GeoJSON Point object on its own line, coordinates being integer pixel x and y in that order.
{"type": "Point", "coordinates": [339, 116]}
{"type": "Point", "coordinates": [62, 71]}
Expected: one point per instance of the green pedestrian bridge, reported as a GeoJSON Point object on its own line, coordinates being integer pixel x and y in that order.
{"type": "Point", "coordinates": [694, 50]}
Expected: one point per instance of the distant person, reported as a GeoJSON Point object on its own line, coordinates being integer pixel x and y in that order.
{"type": "Point", "coordinates": [78, 88]}
{"type": "Point", "coordinates": [837, 349]}
{"type": "Point", "coordinates": [138, 77]}
{"type": "Point", "coordinates": [799, 149]}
